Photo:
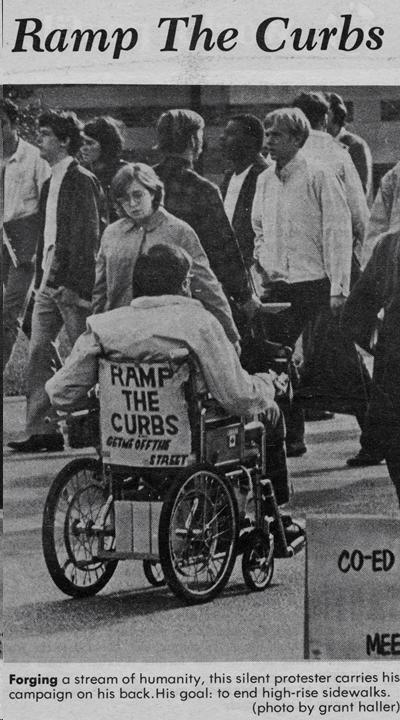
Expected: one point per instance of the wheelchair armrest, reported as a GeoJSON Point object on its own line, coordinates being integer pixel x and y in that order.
{"type": "Point", "coordinates": [276, 351]}
{"type": "Point", "coordinates": [273, 308]}
{"type": "Point", "coordinates": [253, 431]}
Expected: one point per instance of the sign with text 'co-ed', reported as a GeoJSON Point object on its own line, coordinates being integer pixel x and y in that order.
{"type": "Point", "coordinates": [144, 415]}
{"type": "Point", "coordinates": [353, 588]}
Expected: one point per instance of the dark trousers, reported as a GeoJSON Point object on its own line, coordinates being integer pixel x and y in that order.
{"type": "Point", "coordinates": [276, 467]}
{"type": "Point", "coordinates": [253, 360]}
{"type": "Point", "coordinates": [307, 299]}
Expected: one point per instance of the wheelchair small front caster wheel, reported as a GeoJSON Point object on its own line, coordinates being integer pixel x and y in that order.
{"type": "Point", "coordinates": [153, 572]}
{"type": "Point", "coordinates": [258, 561]}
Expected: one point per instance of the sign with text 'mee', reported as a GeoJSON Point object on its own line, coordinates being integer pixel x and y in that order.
{"type": "Point", "coordinates": [144, 417]}
{"type": "Point", "coordinates": [353, 588]}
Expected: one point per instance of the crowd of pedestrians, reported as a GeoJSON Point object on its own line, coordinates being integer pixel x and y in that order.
{"type": "Point", "coordinates": [291, 224]}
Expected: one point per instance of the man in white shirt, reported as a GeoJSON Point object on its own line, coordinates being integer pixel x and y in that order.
{"type": "Point", "coordinates": [65, 266]}
{"type": "Point", "coordinates": [320, 147]}
{"type": "Point", "coordinates": [22, 177]}
{"type": "Point", "coordinates": [303, 233]}
{"type": "Point", "coordinates": [302, 223]}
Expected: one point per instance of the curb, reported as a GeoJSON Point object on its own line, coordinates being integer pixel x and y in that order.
{"type": "Point", "coordinates": [10, 399]}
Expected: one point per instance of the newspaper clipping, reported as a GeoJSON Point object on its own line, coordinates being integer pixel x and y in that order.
{"type": "Point", "coordinates": [201, 353]}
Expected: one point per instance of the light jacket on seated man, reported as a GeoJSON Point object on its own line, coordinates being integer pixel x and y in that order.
{"type": "Point", "coordinates": [154, 324]}
{"type": "Point", "coordinates": [163, 318]}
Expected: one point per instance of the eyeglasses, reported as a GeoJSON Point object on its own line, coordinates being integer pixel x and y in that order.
{"type": "Point", "coordinates": [128, 199]}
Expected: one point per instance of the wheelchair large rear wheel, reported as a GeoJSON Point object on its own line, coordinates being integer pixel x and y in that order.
{"type": "Point", "coordinates": [76, 528]}
{"type": "Point", "coordinates": [198, 535]}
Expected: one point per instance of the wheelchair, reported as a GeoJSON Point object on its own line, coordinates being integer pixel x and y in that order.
{"type": "Point", "coordinates": [179, 484]}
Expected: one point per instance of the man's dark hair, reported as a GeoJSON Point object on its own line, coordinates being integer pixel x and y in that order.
{"type": "Point", "coordinates": [107, 133]}
{"type": "Point", "coordinates": [160, 271]}
{"type": "Point", "coordinates": [314, 106]}
{"type": "Point", "coordinates": [175, 128]}
{"type": "Point", "coordinates": [338, 108]}
{"type": "Point", "coordinates": [64, 125]}
{"type": "Point", "coordinates": [10, 109]}
{"type": "Point", "coordinates": [252, 126]}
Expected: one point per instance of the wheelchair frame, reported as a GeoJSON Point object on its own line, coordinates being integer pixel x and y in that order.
{"type": "Point", "coordinates": [187, 525]}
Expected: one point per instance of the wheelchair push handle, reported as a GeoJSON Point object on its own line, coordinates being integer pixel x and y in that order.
{"type": "Point", "coordinates": [178, 355]}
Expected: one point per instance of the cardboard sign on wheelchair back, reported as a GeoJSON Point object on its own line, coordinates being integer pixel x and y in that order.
{"type": "Point", "coordinates": [144, 415]}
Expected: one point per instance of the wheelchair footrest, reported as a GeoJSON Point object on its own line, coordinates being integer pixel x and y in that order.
{"type": "Point", "coordinates": [298, 544]}
{"type": "Point", "coordinates": [294, 541]}
{"type": "Point", "coordinates": [292, 548]}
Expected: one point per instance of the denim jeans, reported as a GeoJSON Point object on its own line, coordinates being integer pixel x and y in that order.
{"type": "Point", "coordinates": [50, 313]}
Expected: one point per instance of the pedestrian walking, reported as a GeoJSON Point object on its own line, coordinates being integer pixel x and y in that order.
{"type": "Point", "coordinates": [371, 318]}
{"type": "Point", "coordinates": [323, 344]}
{"type": "Point", "coordinates": [101, 150]}
{"type": "Point", "coordinates": [23, 173]}
{"type": "Point", "coordinates": [358, 148]}
{"type": "Point", "coordinates": [138, 192]}
{"type": "Point", "coordinates": [65, 266]}
{"type": "Point", "coordinates": [198, 201]}
{"type": "Point", "coordinates": [303, 237]}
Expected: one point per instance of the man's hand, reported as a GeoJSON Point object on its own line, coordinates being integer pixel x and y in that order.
{"type": "Point", "coordinates": [71, 297]}
{"type": "Point", "coordinates": [251, 306]}
{"type": "Point", "coordinates": [281, 383]}
{"type": "Point", "coordinates": [337, 302]}
{"type": "Point", "coordinates": [272, 414]}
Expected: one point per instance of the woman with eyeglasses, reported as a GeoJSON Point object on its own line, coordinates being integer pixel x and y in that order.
{"type": "Point", "coordinates": [138, 195]}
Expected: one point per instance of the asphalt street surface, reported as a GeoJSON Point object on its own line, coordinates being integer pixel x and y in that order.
{"type": "Point", "coordinates": [131, 621]}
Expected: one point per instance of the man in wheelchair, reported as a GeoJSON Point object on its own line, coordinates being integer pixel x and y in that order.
{"type": "Point", "coordinates": [161, 318]}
